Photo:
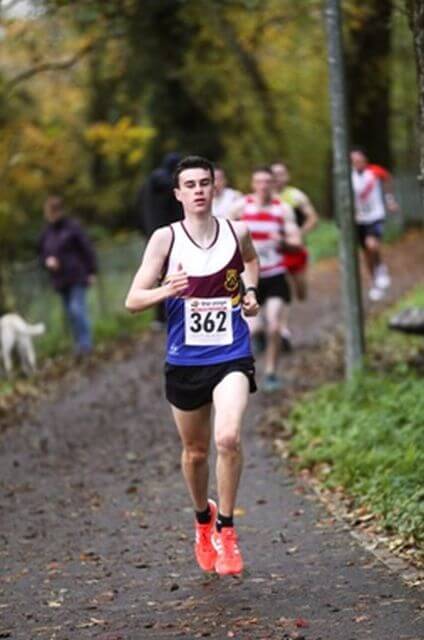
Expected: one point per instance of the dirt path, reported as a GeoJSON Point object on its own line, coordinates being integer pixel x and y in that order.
{"type": "Point", "coordinates": [96, 527]}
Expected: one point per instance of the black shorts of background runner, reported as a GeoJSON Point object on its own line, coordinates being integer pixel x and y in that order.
{"type": "Point", "coordinates": [189, 388]}
{"type": "Point", "coordinates": [374, 229]}
{"type": "Point", "coordinates": [274, 287]}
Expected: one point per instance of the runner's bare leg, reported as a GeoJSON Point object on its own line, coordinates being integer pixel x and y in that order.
{"type": "Point", "coordinates": [300, 284]}
{"type": "Point", "coordinates": [285, 317]}
{"type": "Point", "coordinates": [230, 401]}
{"type": "Point", "coordinates": [195, 432]}
{"type": "Point", "coordinates": [372, 254]}
{"type": "Point", "coordinates": [273, 315]}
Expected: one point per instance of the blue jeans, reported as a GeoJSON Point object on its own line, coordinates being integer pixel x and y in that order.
{"type": "Point", "coordinates": [74, 300]}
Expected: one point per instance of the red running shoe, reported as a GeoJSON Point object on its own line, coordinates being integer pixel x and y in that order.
{"type": "Point", "coordinates": [203, 549]}
{"type": "Point", "coordinates": [229, 560]}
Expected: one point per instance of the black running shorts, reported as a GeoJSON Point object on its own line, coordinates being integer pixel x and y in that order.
{"type": "Point", "coordinates": [191, 387]}
{"type": "Point", "coordinates": [375, 229]}
{"type": "Point", "coordinates": [274, 287]}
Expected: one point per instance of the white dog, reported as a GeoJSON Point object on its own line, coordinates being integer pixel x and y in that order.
{"type": "Point", "coordinates": [17, 334]}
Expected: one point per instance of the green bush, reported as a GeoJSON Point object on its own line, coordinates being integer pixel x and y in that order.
{"type": "Point", "coordinates": [371, 433]}
{"type": "Point", "coordinates": [323, 240]}
{"type": "Point", "coordinates": [368, 435]}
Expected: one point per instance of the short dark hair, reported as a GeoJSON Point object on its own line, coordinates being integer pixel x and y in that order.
{"type": "Point", "coordinates": [262, 169]}
{"type": "Point", "coordinates": [359, 149]}
{"type": "Point", "coordinates": [192, 162]}
{"type": "Point", "coordinates": [56, 201]}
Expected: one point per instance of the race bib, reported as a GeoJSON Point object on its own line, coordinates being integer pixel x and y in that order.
{"type": "Point", "coordinates": [267, 256]}
{"type": "Point", "coordinates": [208, 321]}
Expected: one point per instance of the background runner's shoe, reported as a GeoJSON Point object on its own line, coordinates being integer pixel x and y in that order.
{"type": "Point", "coordinates": [286, 341]}
{"type": "Point", "coordinates": [375, 294]}
{"type": "Point", "coordinates": [229, 560]}
{"type": "Point", "coordinates": [258, 342]}
{"type": "Point", "coordinates": [203, 549]}
{"type": "Point", "coordinates": [382, 278]}
{"type": "Point", "coordinates": [271, 383]}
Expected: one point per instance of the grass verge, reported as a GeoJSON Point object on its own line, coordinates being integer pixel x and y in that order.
{"type": "Point", "coordinates": [368, 436]}
{"type": "Point", "coordinates": [323, 241]}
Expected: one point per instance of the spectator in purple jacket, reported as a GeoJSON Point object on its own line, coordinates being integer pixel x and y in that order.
{"type": "Point", "coordinates": [66, 252]}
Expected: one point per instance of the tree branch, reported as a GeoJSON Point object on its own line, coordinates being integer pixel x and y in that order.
{"type": "Point", "coordinates": [55, 65]}
{"type": "Point", "coordinates": [250, 67]}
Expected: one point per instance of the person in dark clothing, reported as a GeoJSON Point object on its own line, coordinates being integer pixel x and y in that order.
{"type": "Point", "coordinates": [158, 207]}
{"type": "Point", "coordinates": [66, 252]}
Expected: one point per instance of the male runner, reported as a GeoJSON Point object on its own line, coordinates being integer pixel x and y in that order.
{"type": "Point", "coordinates": [373, 191]}
{"type": "Point", "coordinates": [209, 361]}
{"type": "Point", "coordinates": [306, 218]}
{"type": "Point", "coordinates": [272, 231]}
{"type": "Point", "coordinates": [224, 198]}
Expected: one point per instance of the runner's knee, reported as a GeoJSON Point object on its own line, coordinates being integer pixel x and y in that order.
{"type": "Point", "coordinates": [372, 243]}
{"type": "Point", "coordinates": [227, 443]}
{"type": "Point", "coordinates": [273, 328]}
{"type": "Point", "coordinates": [195, 456]}
{"type": "Point", "coordinates": [301, 287]}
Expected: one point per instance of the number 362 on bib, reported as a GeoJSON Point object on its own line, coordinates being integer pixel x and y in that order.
{"type": "Point", "coordinates": [208, 321]}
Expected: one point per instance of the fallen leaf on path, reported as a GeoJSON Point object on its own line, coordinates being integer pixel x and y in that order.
{"type": "Point", "coordinates": [361, 618]}
{"type": "Point", "coordinates": [131, 489]}
{"type": "Point", "coordinates": [301, 623]}
{"type": "Point", "coordinates": [291, 550]}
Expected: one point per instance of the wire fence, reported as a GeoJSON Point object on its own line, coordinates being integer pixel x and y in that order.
{"type": "Point", "coordinates": [31, 295]}
{"type": "Point", "coordinates": [410, 198]}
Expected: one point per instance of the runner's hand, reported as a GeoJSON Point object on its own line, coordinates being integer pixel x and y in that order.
{"type": "Point", "coordinates": [391, 204]}
{"type": "Point", "coordinates": [177, 283]}
{"type": "Point", "coordinates": [52, 263]}
{"type": "Point", "coordinates": [249, 304]}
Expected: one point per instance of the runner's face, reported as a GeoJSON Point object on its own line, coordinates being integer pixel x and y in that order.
{"type": "Point", "coordinates": [359, 160]}
{"type": "Point", "coordinates": [53, 209]}
{"type": "Point", "coordinates": [281, 176]}
{"type": "Point", "coordinates": [220, 181]}
{"type": "Point", "coordinates": [195, 190]}
{"type": "Point", "coordinates": [263, 184]}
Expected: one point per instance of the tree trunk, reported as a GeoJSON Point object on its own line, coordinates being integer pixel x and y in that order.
{"type": "Point", "coordinates": [415, 10]}
{"type": "Point", "coordinates": [368, 74]}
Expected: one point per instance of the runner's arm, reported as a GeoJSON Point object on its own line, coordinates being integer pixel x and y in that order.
{"type": "Point", "coordinates": [389, 194]}
{"type": "Point", "coordinates": [144, 292]}
{"type": "Point", "coordinates": [386, 180]}
{"type": "Point", "coordinates": [292, 237]}
{"type": "Point", "coordinates": [251, 268]}
{"type": "Point", "coordinates": [236, 210]}
{"type": "Point", "coordinates": [311, 216]}
{"type": "Point", "coordinates": [248, 254]}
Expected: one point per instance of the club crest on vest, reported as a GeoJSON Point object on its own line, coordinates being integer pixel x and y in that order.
{"type": "Point", "coordinates": [231, 280]}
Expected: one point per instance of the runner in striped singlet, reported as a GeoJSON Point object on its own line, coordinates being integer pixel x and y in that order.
{"type": "Point", "coordinates": [273, 233]}
{"type": "Point", "coordinates": [296, 262]}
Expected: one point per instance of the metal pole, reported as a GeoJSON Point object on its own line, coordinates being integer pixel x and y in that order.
{"type": "Point", "coordinates": [351, 289]}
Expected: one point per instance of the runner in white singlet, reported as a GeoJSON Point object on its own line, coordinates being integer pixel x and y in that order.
{"type": "Point", "coordinates": [373, 193]}
{"type": "Point", "coordinates": [201, 262]}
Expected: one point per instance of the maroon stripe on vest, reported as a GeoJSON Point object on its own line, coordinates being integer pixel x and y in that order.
{"type": "Point", "coordinates": [223, 283]}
